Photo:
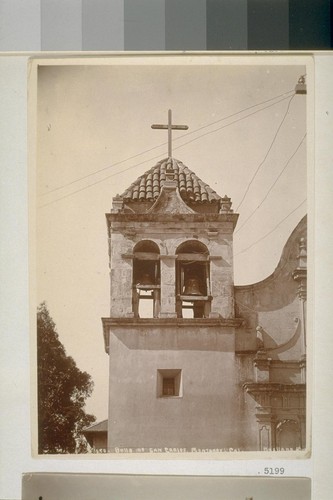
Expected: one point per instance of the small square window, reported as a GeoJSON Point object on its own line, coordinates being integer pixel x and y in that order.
{"type": "Point", "coordinates": [168, 386]}
{"type": "Point", "coordinates": [169, 383]}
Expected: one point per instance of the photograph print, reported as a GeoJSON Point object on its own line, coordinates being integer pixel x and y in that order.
{"type": "Point", "coordinates": [170, 207]}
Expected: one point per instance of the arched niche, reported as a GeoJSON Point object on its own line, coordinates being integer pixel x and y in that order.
{"type": "Point", "coordinates": [288, 435]}
{"type": "Point", "coordinates": [193, 296]}
{"type": "Point", "coordinates": [146, 279]}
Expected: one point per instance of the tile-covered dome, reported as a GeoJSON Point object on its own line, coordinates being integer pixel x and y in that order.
{"type": "Point", "coordinates": [148, 186]}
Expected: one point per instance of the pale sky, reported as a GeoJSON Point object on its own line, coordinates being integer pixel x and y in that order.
{"type": "Point", "coordinates": [94, 127]}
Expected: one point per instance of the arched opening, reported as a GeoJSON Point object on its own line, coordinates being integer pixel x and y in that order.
{"type": "Point", "coordinates": [288, 435]}
{"type": "Point", "coordinates": [146, 280]}
{"type": "Point", "coordinates": [193, 296]}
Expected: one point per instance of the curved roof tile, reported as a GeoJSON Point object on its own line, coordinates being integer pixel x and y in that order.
{"type": "Point", "coordinates": [148, 186]}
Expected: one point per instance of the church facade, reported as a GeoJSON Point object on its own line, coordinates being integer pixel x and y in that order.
{"type": "Point", "coordinates": [197, 363]}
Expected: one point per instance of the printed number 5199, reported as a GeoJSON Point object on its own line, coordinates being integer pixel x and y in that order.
{"type": "Point", "coordinates": [274, 471]}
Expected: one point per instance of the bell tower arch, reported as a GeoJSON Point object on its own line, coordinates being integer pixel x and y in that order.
{"type": "Point", "coordinates": [146, 280]}
{"type": "Point", "coordinates": [193, 280]}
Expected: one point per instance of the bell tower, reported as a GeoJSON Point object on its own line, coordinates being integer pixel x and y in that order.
{"type": "Point", "coordinates": [170, 335]}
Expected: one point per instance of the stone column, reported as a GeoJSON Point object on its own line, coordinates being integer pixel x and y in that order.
{"type": "Point", "coordinates": [168, 286]}
{"type": "Point", "coordinates": [221, 289]}
{"type": "Point", "coordinates": [121, 274]}
{"type": "Point", "coordinates": [121, 291]}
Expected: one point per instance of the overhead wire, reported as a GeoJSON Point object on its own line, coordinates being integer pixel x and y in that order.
{"type": "Point", "coordinates": [272, 230]}
{"type": "Point", "coordinates": [228, 124]}
{"type": "Point", "coordinates": [164, 143]}
{"type": "Point", "coordinates": [266, 155]}
{"type": "Point", "coordinates": [272, 186]}
{"type": "Point", "coordinates": [155, 157]}
{"type": "Point", "coordinates": [236, 113]}
{"type": "Point", "coordinates": [105, 168]}
{"type": "Point", "coordinates": [97, 182]}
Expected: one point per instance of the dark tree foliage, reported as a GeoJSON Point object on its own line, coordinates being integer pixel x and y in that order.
{"type": "Point", "coordinates": [62, 391]}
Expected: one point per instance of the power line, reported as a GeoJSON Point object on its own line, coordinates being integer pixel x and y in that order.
{"type": "Point", "coordinates": [231, 123]}
{"type": "Point", "coordinates": [105, 168]}
{"type": "Point", "coordinates": [236, 113]}
{"type": "Point", "coordinates": [272, 230]}
{"type": "Point", "coordinates": [268, 151]}
{"type": "Point", "coordinates": [272, 186]}
{"type": "Point", "coordinates": [155, 157]}
{"type": "Point", "coordinates": [97, 182]}
{"type": "Point", "coordinates": [164, 143]}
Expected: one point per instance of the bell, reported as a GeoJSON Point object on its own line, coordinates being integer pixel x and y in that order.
{"type": "Point", "coordinates": [145, 281]}
{"type": "Point", "coordinates": [192, 287]}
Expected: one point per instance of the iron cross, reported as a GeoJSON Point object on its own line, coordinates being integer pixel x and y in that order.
{"type": "Point", "coordinates": [170, 127]}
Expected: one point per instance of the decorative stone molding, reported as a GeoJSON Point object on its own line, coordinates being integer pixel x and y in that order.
{"type": "Point", "coordinates": [265, 437]}
{"type": "Point", "coordinates": [130, 233]}
{"type": "Point", "coordinates": [212, 233]}
{"type": "Point", "coordinates": [215, 257]}
{"type": "Point", "coordinates": [225, 205]}
{"type": "Point", "coordinates": [170, 201]}
{"type": "Point", "coordinates": [168, 257]}
{"type": "Point", "coordinates": [172, 322]}
{"type": "Point", "coordinates": [302, 365]}
{"type": "Point", "coordinates": [300, 273]}
{"type": "Point", "coordinates": [117, 204]}
{"type": "Point", "coordinates": [261, 366]}
{"type": "Point", "coordinates": [300, 87]}
{"type": "Point", "coordinates": [276, 407]}
{"type": "Point", "coordinates": [293, 426]}
{"type": "Point", "coordinates": [256, 389]}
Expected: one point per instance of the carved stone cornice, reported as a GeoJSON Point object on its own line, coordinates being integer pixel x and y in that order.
{"type": "Point", "coordinates": [173, 217]}
{"type": "Point", "coordinates": [273, 387]}
{"type": "Point", "coordinates": [265, 417]}
{"type": "Point", "coordinates": [172, 322]}
{"type": "Point", "coordinates": [223, 326]}
{"type": "Point", "coordinates": [274, 398]}
{"type": "Point", "coordinates": [256, 388]}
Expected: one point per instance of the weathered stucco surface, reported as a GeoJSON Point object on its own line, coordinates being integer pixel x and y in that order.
{"type": "Point", "coordinates": [205, 414]}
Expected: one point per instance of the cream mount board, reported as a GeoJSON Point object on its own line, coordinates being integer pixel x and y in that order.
{"type": "Point", "coordinates": [17, 354]}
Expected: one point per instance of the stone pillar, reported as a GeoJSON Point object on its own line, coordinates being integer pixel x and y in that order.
{"type": "Point", "coordinates": [168, 286]}
{"type": "Point", "coordinates": [121, 292]}
{"type": "Point", "coordinates": [264, 437]}
{"type": "Point", "coordinates": [221, 273]}
{"type": "Point", "coordinates": [121, 274]}
{"type": "Point", "coordinates": [221, 290]}
{"type": "Point", "coordinates": [222, 270]}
